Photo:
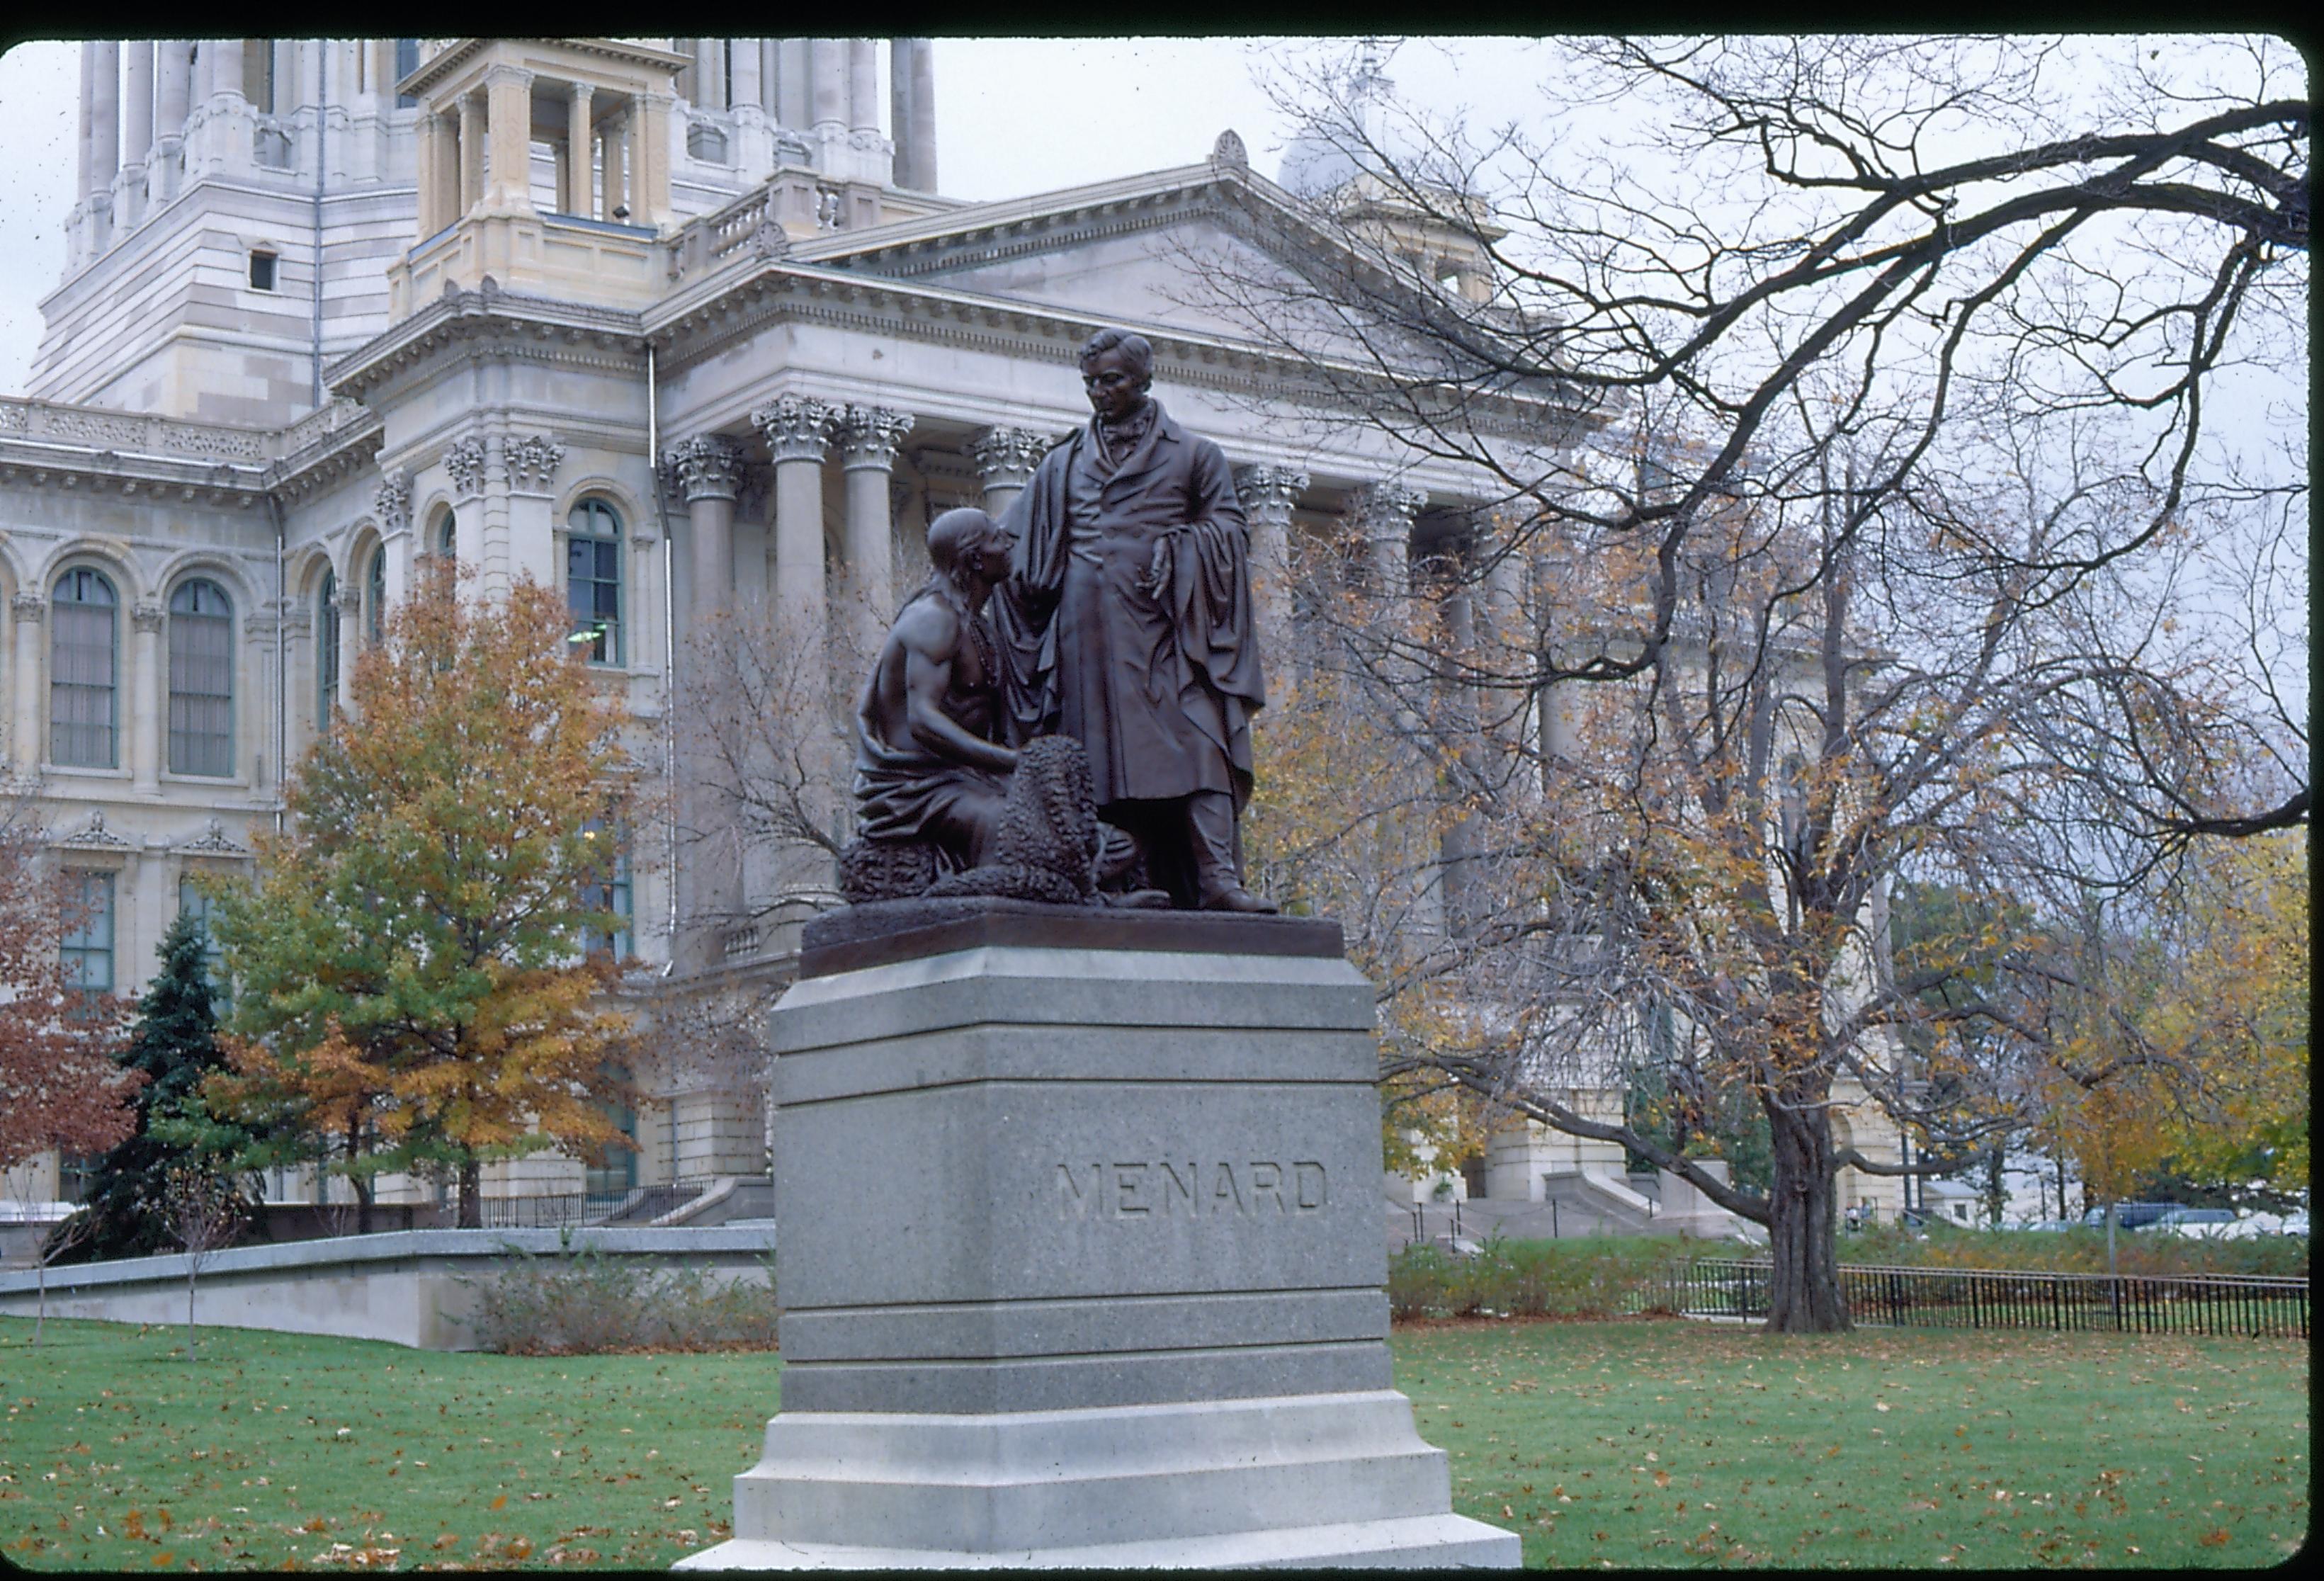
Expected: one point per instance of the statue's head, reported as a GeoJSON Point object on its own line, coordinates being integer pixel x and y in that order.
{"type": "Point", "coordinates": [1117, 367]}
{"type": "Point", "coordinates": [965, 541]}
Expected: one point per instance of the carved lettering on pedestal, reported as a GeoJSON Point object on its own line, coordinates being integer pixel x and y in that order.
{"type": "Point", "coordinates": [1256, 1188]}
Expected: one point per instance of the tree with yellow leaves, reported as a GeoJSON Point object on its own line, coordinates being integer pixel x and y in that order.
{"type": "Point", "coordinates": [412, 984]}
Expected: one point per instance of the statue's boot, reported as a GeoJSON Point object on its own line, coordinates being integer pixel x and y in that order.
{"type": "Point", "coordinates": [1211, 834]}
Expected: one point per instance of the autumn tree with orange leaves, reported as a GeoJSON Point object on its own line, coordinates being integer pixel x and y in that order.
{"type": "Point", "coordinates": [413, 988]}
{"type": "Point", "coordinates": [60, 1090]}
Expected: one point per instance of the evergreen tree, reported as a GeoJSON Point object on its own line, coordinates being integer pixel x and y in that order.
{"type": "Point", "coordinates": [174, 1045]}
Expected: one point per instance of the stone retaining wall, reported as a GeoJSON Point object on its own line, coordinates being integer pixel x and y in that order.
{"type": "Point", "coordinates": [406, 1286]}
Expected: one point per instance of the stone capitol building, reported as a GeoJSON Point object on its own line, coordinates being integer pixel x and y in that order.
{"type": "Point", "coordinates": [330, 306]}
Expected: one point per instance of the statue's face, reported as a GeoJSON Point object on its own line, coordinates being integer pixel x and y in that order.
{"type": "Point", "coordinates": [1114, 386]}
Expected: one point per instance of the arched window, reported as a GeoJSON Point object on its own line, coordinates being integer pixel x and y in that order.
{"type": "Point", "coordinates": [82, 665]}
{"type": "Point", "coordinates": [201, 679]}
{"type": "Point", "coordinates": [593, 578]}
{"type": "Point", "coordinates": [375, 597]}
{"type": "Point", "coordinates": [326, 649]}
{"type": "Point", "coordinates": [447, 536]}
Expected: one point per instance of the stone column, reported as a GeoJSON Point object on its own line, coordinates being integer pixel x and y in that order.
{"type": "Point", "coordinates": [1382, 515]}
{"type": "Point", "coordinates": [796, 432]}
{"type": "Point", "coordinates": [146, 681]}
{"type": "Point", "coordinates": [709, 81]}
{"type": "Point", "coordinates": [1269, 494]}
{"type": "Point", "coordinates": [580, 147]}
{"type": "Point", "coordinates": [352, 635]}
{"type": "Point", "coordinates": [615, 194]}
{"type": "Point", "coordinates": [709, 471]}
{"type": "Point", "coordinates": [863, 87]}
{"type": "Point", "coordinates": [650, 171]}
{"type": "Point", "coordinates": [85, 168]}
{"type": "Point", "coordinates": [828, 80]}
{"type": "Point", "coordinates": [173, 90]}
{"type": "Point", "coordinates": [103, 141]}
{"type": "Point", "coordinates": [137, 135]}
{"type": "Point", "coordinates": [471, 153]}
{"type": "Point", "coordinates": [509, 111]}
{"type": "Point", "coordinates": [24, 678]}
{"type": "Point", "coordinates": [869, 439]}
{"type": "Point", "coordinates": [794, 93]}
{"type": "Point", "coordinates": [913, 88]}
{"type": "Point", "coordinates": [1005, 459]}
{"type": "Point", "coordinates": [428, 153]}
{"type": "Point", "coordinates": [255, 749]}
{"type": "Point", "coordinates": [225, 68]}
{"type": "Point", "coordinates": [745, 55]}
{"type": "Point", "coordinates": [769, 57]}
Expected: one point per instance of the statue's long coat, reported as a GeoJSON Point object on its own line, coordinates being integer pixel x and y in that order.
{"type": "Point", "coordinates": [1126, 621]}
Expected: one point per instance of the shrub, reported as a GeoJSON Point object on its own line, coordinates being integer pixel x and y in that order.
{"type": "Point", "coordinates": [1600, 1276]}
{"type": "Point", "coordinates": [580, 1303]}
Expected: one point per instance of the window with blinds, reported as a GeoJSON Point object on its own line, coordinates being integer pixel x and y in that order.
{"type": "Point", "coordinates": [327, 650]}
{"type": "Point", "coordinates": [593, 578]}
{"type": "Point", "coordinates": [87, 946]}
{"type": "Point", "coordinates": [85, 622]}
{"type": "Point", "coordinates": [375, 597]}
{"type": "Point", "coordinates": [201, 681]}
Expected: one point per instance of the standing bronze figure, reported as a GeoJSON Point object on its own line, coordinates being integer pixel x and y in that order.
{"type": "Point", "coordinates": [1126, 624]}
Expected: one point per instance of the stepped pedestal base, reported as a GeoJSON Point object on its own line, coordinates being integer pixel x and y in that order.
{"type": "Point", "coordinates": [1078, 1221]}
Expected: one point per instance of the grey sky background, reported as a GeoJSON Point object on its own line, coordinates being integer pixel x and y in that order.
{"type": "Point", "coordinates": [1013, 116]}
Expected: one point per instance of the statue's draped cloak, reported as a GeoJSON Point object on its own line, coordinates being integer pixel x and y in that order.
{"type": "Point", "coordinates": [1127, 620]}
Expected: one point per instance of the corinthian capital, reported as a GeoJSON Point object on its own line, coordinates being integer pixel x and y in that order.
{"type": "Point", "coordinates": [28, 606]}
{"type": "Point", "coordinates": [465, 463]}
{"type": "Point", "coordinates": [1008, 456]}
{"type": "Point", "coordinates": [708, 467]}
{"type": "Point", "coordinates": [391, 504]}
{"type": "Point", "coordinates": [1269, 493]}
{"type": "Point", "coordinates": [532, 460]}
{"type": "Point", "coordinates": [868, 437]}
{"type": "Point", "coordinates": [797, 428]}
{"type": "Point", "coordinates": [148, 616]}
{"type": "Point", "coordinates": [1385, 510]}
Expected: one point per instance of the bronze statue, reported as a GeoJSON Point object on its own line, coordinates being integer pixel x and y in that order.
{"type": "Point", "coordinates": [1126, 624]}
{"type": "Point", "coordinates": [929, 768]}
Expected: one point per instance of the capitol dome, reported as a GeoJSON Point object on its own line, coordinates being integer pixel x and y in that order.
{"type": "Point", "coordinates": [1322, 159]}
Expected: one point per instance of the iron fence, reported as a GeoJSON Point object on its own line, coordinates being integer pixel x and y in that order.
{"type": "Point", "coordinates": [639, 1205]}
{"type": "Point", "coordinates": [2245, 1305]}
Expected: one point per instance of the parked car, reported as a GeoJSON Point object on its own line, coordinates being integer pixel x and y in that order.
{"type": "Point", "coordinates": [2208, 1224]}
{"type": "Point", "coordinates": [2129, 1216]}
{"type": "Point", "coordinates": [2049, 1226]}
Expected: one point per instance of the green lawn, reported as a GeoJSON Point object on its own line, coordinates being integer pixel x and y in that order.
{"type": "Point", "coordinates": [1638, 1443]}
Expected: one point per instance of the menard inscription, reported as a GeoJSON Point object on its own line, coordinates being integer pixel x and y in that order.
{"type": "Point", "coordinates": [1259, 1189]}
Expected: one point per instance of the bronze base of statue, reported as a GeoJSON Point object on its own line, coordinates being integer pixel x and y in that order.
{"type": "Point", "coordinates": [1046, 846]}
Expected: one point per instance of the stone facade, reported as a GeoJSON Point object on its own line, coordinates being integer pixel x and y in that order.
{"type": "Point", "coordinates": [312, 328]}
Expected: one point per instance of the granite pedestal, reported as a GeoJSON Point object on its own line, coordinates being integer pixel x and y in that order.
{"type": "Point", "coordinates": [1079, 1247]}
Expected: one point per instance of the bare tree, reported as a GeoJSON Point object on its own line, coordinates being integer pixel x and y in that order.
{"type": "Point", "coordinates": [203, 1212]}
{"type": "Point", "coordinates": [1898, 354]}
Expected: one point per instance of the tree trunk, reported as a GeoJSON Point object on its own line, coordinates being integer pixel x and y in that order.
{"type": "Point", "coordinates": [472, 1195]}
{"type": "Point", "coordinates": [363, 1206]}
{"type": "Point", "coordinates": [1804, 1293]}
{"type": "Point", "coordinates": [190, 1275]}
{"type": "Point", "coordinates": [40, 1312]}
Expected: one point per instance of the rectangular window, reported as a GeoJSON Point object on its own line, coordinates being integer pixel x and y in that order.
{"type": "Point", "coordinates": [262, 270]}
{"type": "Point", "coordinates": [619, 1173]}
{"type": "Point", "coordinates": [87, 946]}
{"type": "Point", "coordinates": [407, 62]}
{"type": "Point", "coordinates": [611, 893]}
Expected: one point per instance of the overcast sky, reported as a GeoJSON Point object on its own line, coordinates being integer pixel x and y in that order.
{"type": "Point", "coordinates": [1013, 116]}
